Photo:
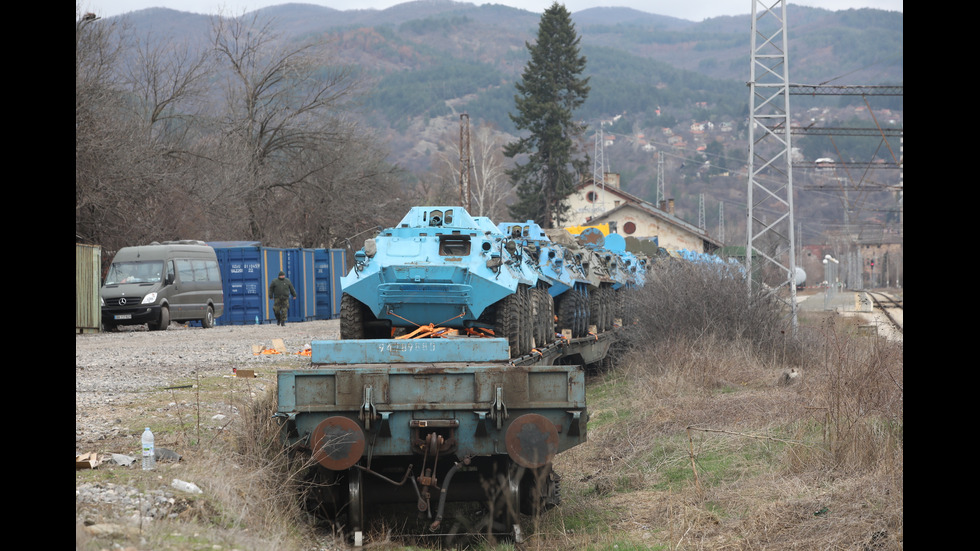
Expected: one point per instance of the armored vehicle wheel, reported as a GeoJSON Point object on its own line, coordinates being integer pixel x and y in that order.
{"type": "Point", "coordinates": [527, 320]}
{"type": "Point", "coordinates": [351, 318]}
{"type": "Point", "coordinates": [605, 309]}
{"type": "Point", "coordinates": [600, 307]}
{"type": "Point", "coordinates": [573, 313]}
{"type": "Point", "coordinates": [565, 310]}
{"type": "Point", "coordinates": [585, 309]}
{"type": "Point", "coordinates": [544, 317]}
{"type": "Point", "coordinates": [508, 322]}
{"type": "Point", "coordinates": [358, 322]}
{"type": "Point", "coordinates": [585, 313]}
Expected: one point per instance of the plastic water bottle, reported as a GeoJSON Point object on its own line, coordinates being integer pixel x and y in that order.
{"type": "Point", "coordinates": [149, 452]}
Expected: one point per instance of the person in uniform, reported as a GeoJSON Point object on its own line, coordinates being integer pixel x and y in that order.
{"type": "Point", "coordinates": [280, 290]}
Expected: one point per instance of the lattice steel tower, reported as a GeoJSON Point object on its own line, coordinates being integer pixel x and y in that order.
{"type": "Point", "coordinates": [770, 213]}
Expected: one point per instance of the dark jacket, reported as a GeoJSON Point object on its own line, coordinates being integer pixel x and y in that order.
{"type": "Point", "coordinates": [281, 288]}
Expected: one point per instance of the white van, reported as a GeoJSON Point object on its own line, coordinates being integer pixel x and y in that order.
{"type": "Point", "coordinates": [162, 282]}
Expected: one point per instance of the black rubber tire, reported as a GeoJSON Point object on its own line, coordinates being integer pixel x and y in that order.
{"type": "Point", "coordinates": [537, 318]}
{"type": "Point", "coordinates": [582, 313]}
{"type": "Point", "coordinates": [546, 317]}
{"type": "Point", "coordinates": [164, 321]}
{"type": "Point", "coordinates": [207, 321]}
{"type": "Point", "coordinates": [508, 322]}
{"type": "Point", "coordinates": [567, 309]}
{"type": "Point", "coordinates": [527, 321]}
{"type": "Point", "coordinates": [351, 318]}
{"type": "Point", "coordinates": [596, 308]}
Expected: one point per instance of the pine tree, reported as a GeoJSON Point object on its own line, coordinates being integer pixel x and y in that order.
{"type": "Point", "coordinates": [550, 89]}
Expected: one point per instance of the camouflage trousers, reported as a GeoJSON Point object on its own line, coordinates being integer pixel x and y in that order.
{"type": "Point", "coordinates": [281, 308]}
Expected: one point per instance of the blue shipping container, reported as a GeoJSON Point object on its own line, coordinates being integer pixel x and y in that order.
{"type": "Point", "coordinates": [298, 265]}
{"type": "Point", "coordinates": [247, 269]}
{"type": "Point", "coordinates": [242, 278]}
{"type": "Point", "coordinates": [331, 265]}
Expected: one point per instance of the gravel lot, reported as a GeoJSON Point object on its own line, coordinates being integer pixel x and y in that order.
{"type": "Point", "coordinates": [113, 369]}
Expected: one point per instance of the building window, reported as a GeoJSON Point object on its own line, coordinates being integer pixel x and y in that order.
{"type": "Point", "coordinates": [591, 197]}
{"type": "Point", "coordinates": [629, 228]}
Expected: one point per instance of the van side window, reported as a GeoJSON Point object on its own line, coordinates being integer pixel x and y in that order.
{"type": "Point", "coordinates": [185, 270]}
{"type": "Point", "coordinates": [214, 272]}
{"type": "Point", "coordinates": [200, 270]}
{"type": "Point", "coordinates": [170, 271]}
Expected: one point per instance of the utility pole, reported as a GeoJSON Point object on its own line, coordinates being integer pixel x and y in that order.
{"type": "Point", "coordinates": [598, 174]}
{"type": "Point", "coordinates": [465, 163]}
{"type": "Point", "coordinates": [660, 179]}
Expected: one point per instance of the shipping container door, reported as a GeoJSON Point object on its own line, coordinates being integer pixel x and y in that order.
{"type": "Point", "coordinates": [242, 283]}
{"type": "Point", "coordinates": [330, 267]}
{"type": "Point", "coordinates": [273, 261]}
{"type": "Point", "coordinates": [298, 265]}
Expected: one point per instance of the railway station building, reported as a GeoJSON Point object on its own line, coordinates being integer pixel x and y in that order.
{"type": "Point", "coordinates": [633, 217]}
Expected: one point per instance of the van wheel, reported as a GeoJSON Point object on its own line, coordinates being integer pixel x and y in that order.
{"type": "Point", "coordinates": [208, 321]}
{"type": "Point", "coordinates": [164, 321]}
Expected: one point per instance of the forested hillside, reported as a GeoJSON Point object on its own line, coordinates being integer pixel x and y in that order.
{"type": "Point", "coordinates": [420, 65]}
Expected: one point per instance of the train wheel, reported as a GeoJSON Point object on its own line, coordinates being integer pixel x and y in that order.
{"type": "Point", "coordinates": [355, 502]}
{"type": "Point", "coordinates": [540, 490]}
{"type": "Point", "coordinates": [323, 494]}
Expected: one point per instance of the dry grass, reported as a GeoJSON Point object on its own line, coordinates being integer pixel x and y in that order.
{"type": "Point", "coordinates": [720, 455]}
{"type": "Point", "coordinates": [698, 441]}
{"type": "Point", "coordinates": [250, 491]}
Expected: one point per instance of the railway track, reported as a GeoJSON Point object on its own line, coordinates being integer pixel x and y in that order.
{"type": "Point", "coordinates": [890, 306]}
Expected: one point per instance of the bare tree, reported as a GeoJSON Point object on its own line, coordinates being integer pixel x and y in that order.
{"type": "Point", "coordinates": [284, 103]}
{"type": "Point", "coordinates": [275, 155]}
{"type": "Point", "coordinates": [169, 84]}
{"type": "Point", "coordinates": [357, 191]}
{"type": "Point", "coordinates": [129, 187]}
{"type": "Point", "coordinates": [492, 190]}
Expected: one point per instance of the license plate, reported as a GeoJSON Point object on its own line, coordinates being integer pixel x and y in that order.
{"type": "Point", "coordinates": [123, 316]}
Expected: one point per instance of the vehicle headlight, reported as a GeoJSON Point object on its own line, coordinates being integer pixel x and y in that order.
{"type": "Point", "coordinates": [149, 298]}
{"type": "Point", "coordinates": [101, 301]}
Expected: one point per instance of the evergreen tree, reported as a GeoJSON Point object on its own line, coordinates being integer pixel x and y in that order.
{"type": "Point", "coordinates": [550, 89]}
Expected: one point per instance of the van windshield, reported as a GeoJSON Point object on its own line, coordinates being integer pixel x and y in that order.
{"type": "Point", "coordinates": [134, 272]}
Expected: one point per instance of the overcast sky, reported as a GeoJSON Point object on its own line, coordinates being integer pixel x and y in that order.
{"type": "Point", "coordinates": [693, 10]}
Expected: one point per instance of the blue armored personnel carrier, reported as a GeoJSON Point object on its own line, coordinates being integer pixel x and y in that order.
{"type": "Point", "coordinates": [441, 268]}
{"type": "Point", "coordinates": [562, 269]}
